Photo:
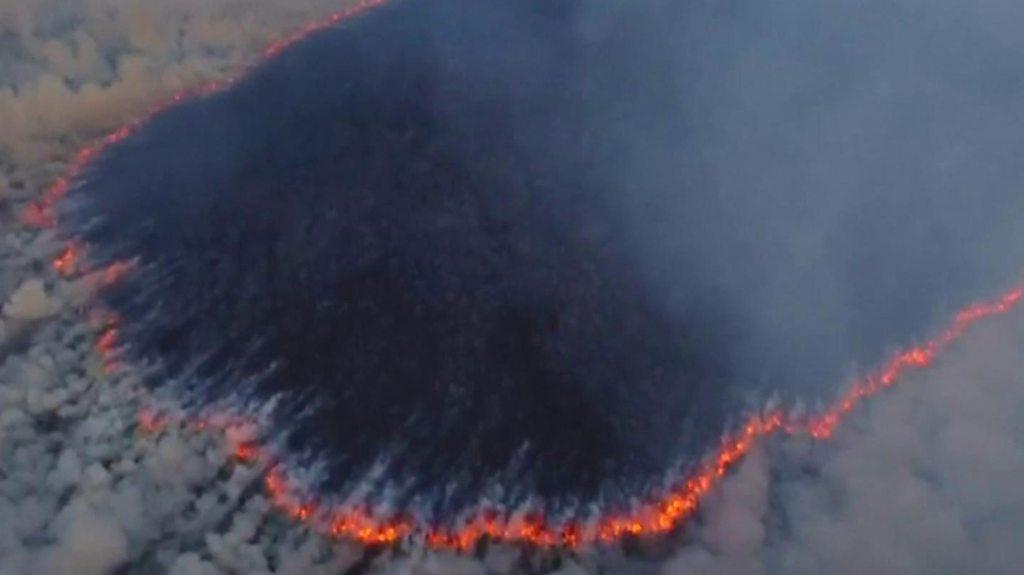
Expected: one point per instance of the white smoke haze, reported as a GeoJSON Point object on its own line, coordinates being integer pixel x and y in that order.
{"type": "Point", "coordinates": [927, 480]}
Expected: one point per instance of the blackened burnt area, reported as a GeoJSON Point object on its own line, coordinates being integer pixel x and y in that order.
{"type": "Point", "coordinates": [404, 224]}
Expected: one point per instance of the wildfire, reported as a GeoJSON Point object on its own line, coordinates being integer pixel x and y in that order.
{"type": "Point", "coordinates": [664, 514]}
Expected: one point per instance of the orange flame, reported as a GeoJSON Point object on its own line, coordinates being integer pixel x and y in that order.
{"type": "Point", "coordinates": [66, 264]}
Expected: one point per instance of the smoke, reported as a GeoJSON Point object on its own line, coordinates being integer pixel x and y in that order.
{"type": "Point", "coordinates": [868, 150]}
